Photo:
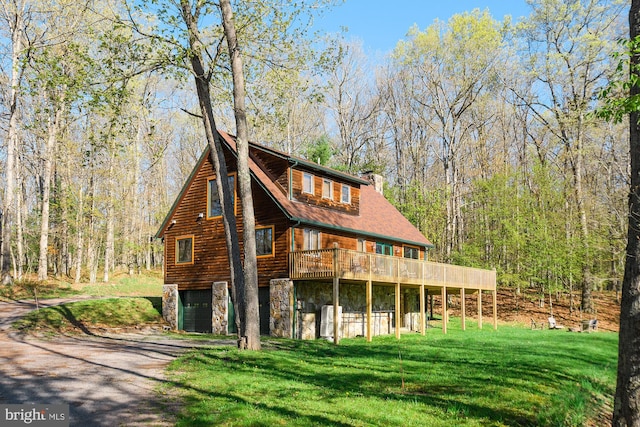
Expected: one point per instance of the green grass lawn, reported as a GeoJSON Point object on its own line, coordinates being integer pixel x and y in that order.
{"type": "Point", "coordinates": [148, 284]}
{"type": "Point", "coordinates": [509, 377]}
{"type": "Point", "coordinates": [83, 315]}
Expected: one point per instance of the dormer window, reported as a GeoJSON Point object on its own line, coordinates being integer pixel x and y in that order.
{"type": "Point", "coordinates": [327, 189]}
{"type": "Point", "coordinates": [346, 194]}
{"type": "Point", "coordinates": [307, 183]}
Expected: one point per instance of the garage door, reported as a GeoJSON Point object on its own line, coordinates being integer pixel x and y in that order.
{"type": "Point", "coordinates": [196, 310]}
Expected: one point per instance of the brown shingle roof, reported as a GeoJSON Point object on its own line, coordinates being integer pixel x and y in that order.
{"type": "Point", "coordinates": [377, 217]}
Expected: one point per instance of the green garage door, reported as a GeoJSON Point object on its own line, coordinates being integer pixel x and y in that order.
{"type": "Point", "coordinates": [196, 310]}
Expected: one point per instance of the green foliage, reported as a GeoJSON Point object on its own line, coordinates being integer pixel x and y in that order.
{"type": "Point", "coordinates": [523, 230]}
{"type": "Point", "coordinates": [320, 151]}
{"type": "Point", "coordinates": [617, 97]}
{"type": "Point", "coordinates": [476, 377]}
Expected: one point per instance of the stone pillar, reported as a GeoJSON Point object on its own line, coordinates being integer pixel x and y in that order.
{"type": "Point", "coordinates": [220, 308]}
{"type": "Point", "coordinates": [170, 305]}
{"type": "Point", "coordinates": [281, 308]}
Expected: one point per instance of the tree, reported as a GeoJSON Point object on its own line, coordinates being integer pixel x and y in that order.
{"type": "Point", "coordinates": [626, 411]}
{"type": "Point", "coordinates": [14, 13]}
{"type": "Point", "coordinates": [568, 44]}
{"type": "Point", "coordinates": [454, 68]}
{"type": "Point", "coordinates": [250, 328]}
{"type": "Point", "coordinates": [191, 15]}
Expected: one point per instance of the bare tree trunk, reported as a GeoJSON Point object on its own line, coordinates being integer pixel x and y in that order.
{"type": "Point", "coordinates": [109, 250]}
{"type": "Point", "coordinates": [79, 237]}
{"type": "Point", "coordinates": [21, 213]}
{"type": "Point", "coordinates": [49, 159]}
{"type": "Point", "coordinates": [16, 24]}
{"type": "Point", "coordinates": [251, 327]}
{"type": "Point", "coordinates": [202, 81]}
{"type": "Point", "coordinates": [626, 410]}
{"type": "Point", "coordinates": [92, 263]}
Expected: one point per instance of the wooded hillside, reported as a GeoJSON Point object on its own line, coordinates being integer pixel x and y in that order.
{"type": "Point", "coordinates": [484, 129]}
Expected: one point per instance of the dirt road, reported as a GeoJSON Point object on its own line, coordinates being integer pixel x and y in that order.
{"type": "Point", "coordinates": [107, 380]}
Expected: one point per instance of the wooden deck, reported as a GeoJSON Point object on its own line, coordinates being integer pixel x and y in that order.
{"type": "Point", "coordinates": [353, 265]}
{"type": "Point", "coordinates": [341, 264]}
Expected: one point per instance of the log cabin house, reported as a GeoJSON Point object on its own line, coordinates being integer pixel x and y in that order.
{"type": "Point", "coordinates": [329, 246]}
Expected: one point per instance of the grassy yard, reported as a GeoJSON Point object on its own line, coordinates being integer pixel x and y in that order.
{"type": "Point", "coordinates": [148, 284]}
{"type": "Point", "coordinates": [509, 377]}
{"type": "Point", "coordinates": [84, 315]}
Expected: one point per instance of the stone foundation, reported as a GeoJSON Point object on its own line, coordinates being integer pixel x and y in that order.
{"type": "Point", "coordinates": [170, 305]}
{"type": "Point", "coordinates": [220, 308]}
{"type": "Point", "coordinates": [281, 308]}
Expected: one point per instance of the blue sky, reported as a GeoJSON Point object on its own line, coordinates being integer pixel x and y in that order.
{"type": "Point", "coordinates": [381, 23]}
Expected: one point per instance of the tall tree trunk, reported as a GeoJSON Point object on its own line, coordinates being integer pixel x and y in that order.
{"type": "Point", "coordinates": [202, 81]}
{"type": "Point", "coordinates": [109, 251]}
{"type": "Point", "coordinates": [79, 237]}
{"type": "Point", "coordinates": [49, 159]}
{"type": "Point", "coordinates": [92, 246]}
{"type": "Point", "coordinates": [16, 23]}
{"type": "Point", "coordinates": [626, 411]}
{"type": "Point", "coordinates": [251, 327]}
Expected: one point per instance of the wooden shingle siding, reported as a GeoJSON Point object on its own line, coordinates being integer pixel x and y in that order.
{"type": "Point", "coordinates": [317, 199]}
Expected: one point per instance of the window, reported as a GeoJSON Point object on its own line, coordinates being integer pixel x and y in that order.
{"type": "Point", "coordinates": [384, 248]}
{"type": "Point", "coordinates": [307, 183]}
{"type": "Point", "coordinates": [311, 239]}
{"type": "Point", "coordinates": [327, 189]}
{"type": "Point", "coordinates": [362, 245]}
{"type": "Point", "coordinates": [411, 252]}
{"type": "Point", "coordinates": [184, 250]}
{"type": "Point", "coordinates": [264, 241]}
{"type": "Point", "coordinates": [346, 194]}
{"type": "Point", "coordinates": [213, 198]}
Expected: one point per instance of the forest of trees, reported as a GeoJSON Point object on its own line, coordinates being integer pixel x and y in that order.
{"type": "Point", "coordinates": [484, 128]}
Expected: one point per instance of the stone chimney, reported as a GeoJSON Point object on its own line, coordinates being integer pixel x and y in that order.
{"type": "Point", "coordinates": [375, 179]}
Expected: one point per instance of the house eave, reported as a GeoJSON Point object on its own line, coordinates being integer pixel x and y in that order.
{"type": "Point", "coordinates": [361, 232]}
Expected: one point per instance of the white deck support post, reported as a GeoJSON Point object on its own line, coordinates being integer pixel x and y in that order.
{"type": "Point", "coordinates": [423, 320]}
{"type": "Point", "coordinates": [369, 298]}
{"type": "Point", "coordinates": [463, 311]}
{"type": "Point", "coordinates": [336, 297]}
{"type": "Point", "coordinates": [397, 313]}
{"type": "Point", "coordinates": [445, 312]}
{"type": "Point", "coordinates": [479, 308]}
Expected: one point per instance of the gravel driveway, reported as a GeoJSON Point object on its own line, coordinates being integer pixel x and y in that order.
{"type": "Point", "coordinates": [107, 380]}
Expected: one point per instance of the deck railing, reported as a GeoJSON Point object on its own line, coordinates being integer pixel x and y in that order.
{"type": "Point", "coordinates": [355, 265]}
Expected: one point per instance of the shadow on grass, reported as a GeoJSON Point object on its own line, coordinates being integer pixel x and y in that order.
{"type": "Point", "coordinates": [518, 380]}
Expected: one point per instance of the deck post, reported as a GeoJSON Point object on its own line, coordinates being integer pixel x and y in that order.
{"type": "Point", "coordinates": [479, 308]}
{"type": "Point", "coordinates": [422, 311]}
{"type": "Point", "coordinates": [336, 313]}
{"type": "Point", "coordinates": [397, 313]}
{"type": "Point", "coordinates": [495, 309]}
{"type": "Point", "coordinates": [369, 296]}
{"type": "Point", "coordinates": [336, 296]}
{"type": "Point", "coordinates": [445, 312]}
{"type": "Point", "coordinates": [463, 311]}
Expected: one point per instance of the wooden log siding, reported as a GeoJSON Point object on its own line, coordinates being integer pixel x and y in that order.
{"type": "Point", "coordinates": [316, 198]}
{"type": "Point", "coordinates": [354, 265]}
{"type": "Point", "coordinates": [210, 261]}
